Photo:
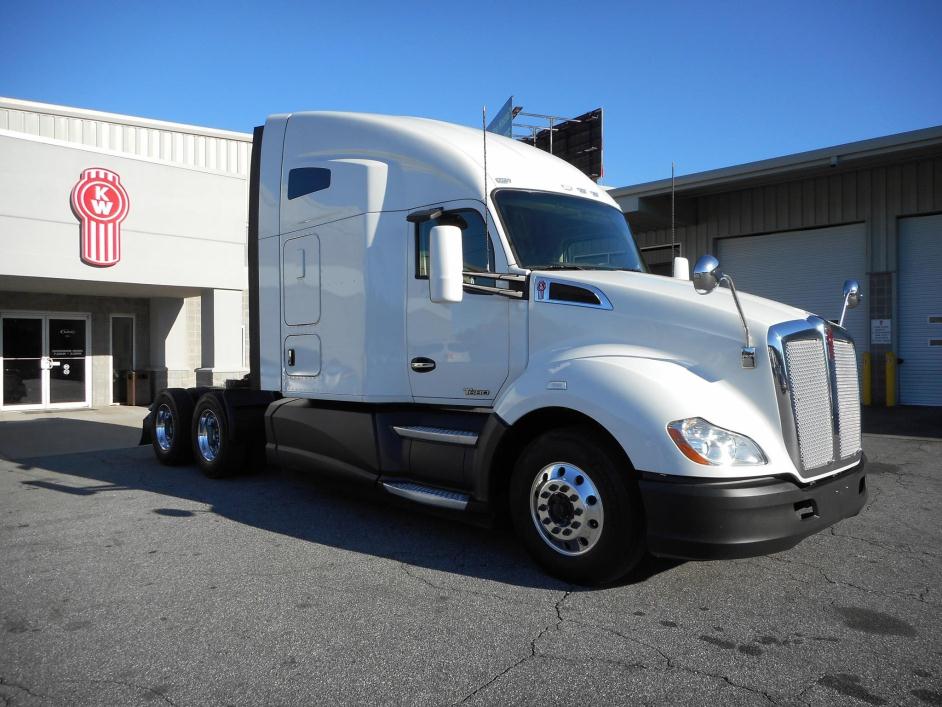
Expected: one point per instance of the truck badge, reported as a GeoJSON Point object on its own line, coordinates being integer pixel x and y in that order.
{"type": "Point", "coordinates": [100, 202]}
{"type": "Point", "coordinates": [477, 392]}
{"type": "Point", "coordinates": [541, 289]}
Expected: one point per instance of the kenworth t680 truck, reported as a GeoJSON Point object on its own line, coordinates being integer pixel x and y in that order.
{"type": "Point", "coordinates": [480, 334]}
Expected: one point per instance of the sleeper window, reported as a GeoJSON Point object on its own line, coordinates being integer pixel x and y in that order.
{"type": "Point", "coordinates": [307, 180]}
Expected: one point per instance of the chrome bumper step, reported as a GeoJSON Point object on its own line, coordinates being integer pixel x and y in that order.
{"type": "Point", "coordinates": [438, 434]}
{"type": "Point", "coordinates": [439, 498]}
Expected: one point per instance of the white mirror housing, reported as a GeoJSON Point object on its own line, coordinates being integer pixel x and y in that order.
{"type": "Point", "coordinates": [445, 265]}
{"type": "Point", "coordinates": [681, 268]}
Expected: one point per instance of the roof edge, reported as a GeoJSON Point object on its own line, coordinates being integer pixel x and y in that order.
{"type": "Point", "coordinates": [837, 154]}
{"type": "Point", "coordinates": [120, 118]}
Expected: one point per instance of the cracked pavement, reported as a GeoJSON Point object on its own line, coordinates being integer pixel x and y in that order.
{"type": "Point", "coordinates": [126, 582]}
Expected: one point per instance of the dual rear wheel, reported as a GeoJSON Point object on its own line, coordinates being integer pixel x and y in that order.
{"type": "Point", "coordinates": [182, 431]}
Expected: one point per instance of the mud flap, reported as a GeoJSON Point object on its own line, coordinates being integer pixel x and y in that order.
{"type": "Point", "coordinates": [145, 429]}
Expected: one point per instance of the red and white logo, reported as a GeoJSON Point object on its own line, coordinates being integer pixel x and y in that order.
{"type": "Point", "coordinates": [100, 202]}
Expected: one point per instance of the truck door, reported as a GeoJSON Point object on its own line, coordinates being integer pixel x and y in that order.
{"type": "Point", "coordinates": [457, 353]}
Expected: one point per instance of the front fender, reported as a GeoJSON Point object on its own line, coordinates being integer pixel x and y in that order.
{"type": "Point", "coordinates": [634, 398]}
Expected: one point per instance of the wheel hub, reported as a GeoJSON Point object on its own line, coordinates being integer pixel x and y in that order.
{"type": "Point", "coordinates": [163, 427]}
{"type": "Point", "coordinates": [561, 511]}
{"type": "Point", "coordinates": [566, 508]}
{"type": "Point", "coordinates": [207, 435]}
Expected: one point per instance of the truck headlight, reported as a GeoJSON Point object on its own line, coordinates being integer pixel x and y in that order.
{"type": "Point", "coordinates": [714, 446]}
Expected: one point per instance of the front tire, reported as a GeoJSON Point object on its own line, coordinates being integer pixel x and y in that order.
{"type": "Point", "coordinates": [576, 507]}
{"type": "Point", "coordinates": [216, 454]}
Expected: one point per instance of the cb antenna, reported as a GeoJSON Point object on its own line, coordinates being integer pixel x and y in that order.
{"type": "Point", "coordinates": [487, 238]}
{"type": "Point", "coordinates": [673, 230]}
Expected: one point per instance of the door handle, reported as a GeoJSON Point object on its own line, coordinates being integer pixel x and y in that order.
{"type": "Point", "coordinates": [423, 365]}
{"type": "Point", "coordinates": [290, 357]}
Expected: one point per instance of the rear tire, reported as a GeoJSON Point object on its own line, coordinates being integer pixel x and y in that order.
{"type": "Point", "coordinates": [170, 426]}
{"type": "Point", "coordinates": [216, 454]}
{"type": "Point", "coordinates": [576, 506]}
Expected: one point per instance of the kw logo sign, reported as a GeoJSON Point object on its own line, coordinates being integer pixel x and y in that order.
{"type": "Point", "coordinates": [100, 203]}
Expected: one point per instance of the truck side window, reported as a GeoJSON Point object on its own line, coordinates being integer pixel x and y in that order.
{"type": "Point", "coordinates": [307, 180]}
{"type": "Point", "coordinates": [478, 253]}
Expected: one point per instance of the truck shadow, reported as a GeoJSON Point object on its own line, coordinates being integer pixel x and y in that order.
{"type": "Point", "coordinates": [306, 507]}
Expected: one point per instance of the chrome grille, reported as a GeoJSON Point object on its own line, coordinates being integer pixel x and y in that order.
{"type": "Point", "coordinates": [811, 400]}
{"type": "Point", "coordinates": [848, 397]}
{"type": "Point", "coordinates": [814, 371]}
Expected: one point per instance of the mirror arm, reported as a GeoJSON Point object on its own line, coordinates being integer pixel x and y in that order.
{"type": "Point", "coordinates": [748, 351]}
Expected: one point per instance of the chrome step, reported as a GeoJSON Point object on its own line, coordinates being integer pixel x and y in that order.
{"type": "Point", "coordinates": [428, 495]}
{"type": "Point", "coordinates": [438, 434]}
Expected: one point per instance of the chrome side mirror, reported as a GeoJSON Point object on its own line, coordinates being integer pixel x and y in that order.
{"type": "Point", "coordinates": [851, 293]}
{"type": "Point", "coordinates": [706, 274]}
{"type": "Point", "coordinates": [852, 298]}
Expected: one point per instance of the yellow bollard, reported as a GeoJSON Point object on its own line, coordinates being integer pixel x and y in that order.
{"type": "Point", "coordinates": [866, 375]}
{"type": "Point", "coordinates": [890, 379]}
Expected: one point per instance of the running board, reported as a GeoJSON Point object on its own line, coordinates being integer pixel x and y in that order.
{"type": "Point", "coordinates": [429, 496]}
{"type": "Point", "coordinates": [438, 434]}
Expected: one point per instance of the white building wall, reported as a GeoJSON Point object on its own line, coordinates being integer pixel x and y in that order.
{"type": "Point", "coordinates": [184, 236]}
{"type": "Point", "coordinates": [185, 227]}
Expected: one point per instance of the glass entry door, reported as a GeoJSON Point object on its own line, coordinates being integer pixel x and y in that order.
{"type": "Point", "coordinates": [65, 360]}
{"type": "Point", "coordinates": [22, 361]}
{"type": "Point", "coordinates": [44, 361]}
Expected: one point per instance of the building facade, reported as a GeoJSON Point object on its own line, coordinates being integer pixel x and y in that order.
{"type": "Point", "coordinates": [794, 228]}
{"type": "Point", "coordinates": [122, 256]}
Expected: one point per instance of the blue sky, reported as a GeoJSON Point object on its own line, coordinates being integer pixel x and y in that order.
{"type": "Point", "coordinates": [707, 84]}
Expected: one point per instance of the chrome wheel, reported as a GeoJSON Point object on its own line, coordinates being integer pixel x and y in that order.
{"type": "Point", "coordinates": [566, 508]}
{"type": "Point", "coordinates": [163, 427]}
{"type": "Point", "coordinates": [207, 435]}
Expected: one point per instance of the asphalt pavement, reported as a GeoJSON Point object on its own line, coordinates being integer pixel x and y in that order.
{"type": "Point", "coordinates": [124, 582]}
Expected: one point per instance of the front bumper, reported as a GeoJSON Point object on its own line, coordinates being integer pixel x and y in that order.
{"type": "Point", "coordinates": [701, 519]}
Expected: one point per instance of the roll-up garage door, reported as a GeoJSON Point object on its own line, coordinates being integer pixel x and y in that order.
{"type": "Point", "coordinates": [920, 310]}
{"type": "Point", "coordinates": [805, 269]}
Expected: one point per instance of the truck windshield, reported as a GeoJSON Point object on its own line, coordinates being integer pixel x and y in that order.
{"type": "Point", "coordinates": [562, 232]}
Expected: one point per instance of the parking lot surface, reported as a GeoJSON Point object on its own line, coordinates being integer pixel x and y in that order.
{"type": "Point", "coordinates": [126, 582]}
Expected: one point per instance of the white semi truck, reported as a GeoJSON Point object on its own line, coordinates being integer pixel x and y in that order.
{"type": "Point", "coordinates": [476, 331]}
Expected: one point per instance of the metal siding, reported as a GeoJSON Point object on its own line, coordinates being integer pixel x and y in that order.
{"type": "Point", "coordinates": [875, 195]}
{"type": "Point", "coordinates": [849, 196]}
{"type": "Point", "coordinates": [187, 148]}
{"type": "Point", "coordinates": [923, 186]}
{"type": "Point", "coordinates": [920, 296]}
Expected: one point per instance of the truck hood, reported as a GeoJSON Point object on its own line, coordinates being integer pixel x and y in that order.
{"type": "Point", "coordinates": [656, 317]}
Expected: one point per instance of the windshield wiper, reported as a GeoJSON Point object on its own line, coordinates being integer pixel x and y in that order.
{"type": "Point", "coordinates": [560, 266]}
{"type": "Point", "coordinates": [573, 266]}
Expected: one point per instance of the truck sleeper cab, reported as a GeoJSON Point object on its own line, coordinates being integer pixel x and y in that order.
{"type": "Point", "coordinates": [488, 342]}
